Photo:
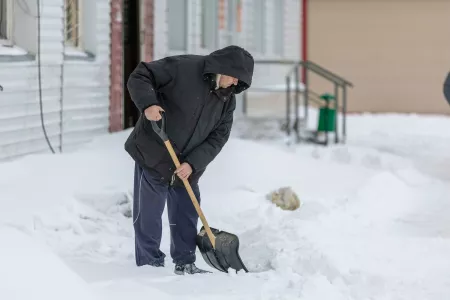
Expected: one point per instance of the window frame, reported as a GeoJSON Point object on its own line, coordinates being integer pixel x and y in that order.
{"type": "Point", "coordinates": [259, 27]}
{"type": "Point", "coordinates": [77, 24]}
{"type": "Point", "coordinates": [278, 36]}
{"type": "Point", "coordinates": [184, 28]}
{"type": "Point", "coordinates": [231, 23]}
{"type": "Point", "coordinates": [8, 39]}
{"type": "Point", "coordinates": [213, 20]}
{"type": "Point", "coordinates": [77, 51]}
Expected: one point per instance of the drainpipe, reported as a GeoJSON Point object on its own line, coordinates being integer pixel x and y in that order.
{"type": "Point", "coordinates": [304, 38]}
{"type": "Point", "coordinates": [61, 91]}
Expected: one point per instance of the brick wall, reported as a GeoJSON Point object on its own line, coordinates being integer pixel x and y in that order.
{"type": "Point", "coordinates": [148, 6]}
{"type": "Point", "coordinates": [116, 85]}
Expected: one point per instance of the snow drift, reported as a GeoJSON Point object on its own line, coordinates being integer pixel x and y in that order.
{"type": "Point", "coordinates": [29, 270]}
{"type": "Point", "coordinates": [373, 222]}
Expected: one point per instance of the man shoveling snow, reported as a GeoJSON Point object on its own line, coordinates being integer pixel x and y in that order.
{"type": "Point", "coordinates": [197, 95]}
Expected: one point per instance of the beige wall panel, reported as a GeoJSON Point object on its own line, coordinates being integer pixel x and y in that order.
{"type": "Point", "coordinates": [396, 52]}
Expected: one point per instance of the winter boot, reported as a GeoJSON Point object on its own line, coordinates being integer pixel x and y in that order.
{"type": "Point", "coordinates": [189, 269]}
{"type": "Point", "coordinates": [157, 264]}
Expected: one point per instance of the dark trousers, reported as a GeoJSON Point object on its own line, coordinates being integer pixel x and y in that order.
{"type": "Point", "coordinates": [148, 205]}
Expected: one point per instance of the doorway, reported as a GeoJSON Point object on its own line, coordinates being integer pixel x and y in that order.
{"type": "Point", "coordinates": [132, 55]}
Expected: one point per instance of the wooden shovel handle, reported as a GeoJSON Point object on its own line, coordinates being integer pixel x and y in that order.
{"type": "Point", "coordinates": [212, 238]}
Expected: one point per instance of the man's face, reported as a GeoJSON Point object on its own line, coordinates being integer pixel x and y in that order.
{"type": "Point", "coordinates": [226, 81]}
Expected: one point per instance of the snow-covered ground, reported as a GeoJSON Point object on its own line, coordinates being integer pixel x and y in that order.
{"type": "Point", "coordinates": [374, 221]}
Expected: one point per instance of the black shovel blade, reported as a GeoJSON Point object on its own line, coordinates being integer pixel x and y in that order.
{"type": "Point", "coordinates": [226, 254]}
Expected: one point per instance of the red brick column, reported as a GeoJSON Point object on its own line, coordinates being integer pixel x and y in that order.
{"type": "Point", "coordinates": [116, 69]}
{"type": "Point", "coordinates": [304, 35]}
{"type": "Point", "coordinates": [149, 29]}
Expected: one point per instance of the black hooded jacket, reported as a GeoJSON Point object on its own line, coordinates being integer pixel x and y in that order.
{"type": "Point", "coordinates": [198, 116]}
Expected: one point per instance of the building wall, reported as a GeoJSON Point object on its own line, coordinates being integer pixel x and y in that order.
{"type": "Point", "coordinates": [75, 84]}
{"type": "Point", "coordinates": [148, 29]}
{"type": "Point", "coordinates": [281, 37]}
{"type": "Point", "coordinates": [397, 52]}
{"type": "Point", "coordinates": [116, 92]}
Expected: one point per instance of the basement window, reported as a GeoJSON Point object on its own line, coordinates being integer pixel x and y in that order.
{"type": "Point", "coordinates": [72, 24]}
{"type": "Point", "coordinates": [9, 50]}
{"type": "Point", "coordinates": [177, 11]}
{"type": "Point", "coordinates": [278, 28]}
{"type": "Point", "coordinates": [259, 26]}
{"type": "Point", "coordinates": [209, 27]}
{"type": "Point", "coordinates": [6, 22]}
{"type": "Point", "coordinates": [73, 37]}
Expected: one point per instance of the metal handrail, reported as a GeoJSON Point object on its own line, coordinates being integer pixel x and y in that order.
{"type": "Point", "coordinates": [316, 98]}
{"type": "Point", "coordinates": [338, 81]}
{"type": "Point", "coordinates": [310, 65]}
{"type": "Point", "coordinates": [328, 72]}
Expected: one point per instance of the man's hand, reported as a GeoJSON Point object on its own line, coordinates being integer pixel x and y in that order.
{"type": "Point", "coordinates": [184, 171]}
{"type": "Point", "coordinates": [152, 113]}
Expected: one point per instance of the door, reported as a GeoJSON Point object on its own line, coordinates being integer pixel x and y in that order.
{"type": "Point", "coordinates": [132, 55]}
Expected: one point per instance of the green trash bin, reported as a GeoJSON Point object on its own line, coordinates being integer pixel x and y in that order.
{"type": "Point", "coordinates": [327, 115]}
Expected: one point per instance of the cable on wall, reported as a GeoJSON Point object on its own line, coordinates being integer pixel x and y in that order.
{"type": "Point", "coordinates": [39, 74]}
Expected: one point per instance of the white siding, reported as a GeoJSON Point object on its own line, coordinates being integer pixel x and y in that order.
{"type": "Point", "coordinates": [83, 110]}
{"type": "Point", "coordinates": [291, 29]}
{"type": "Point", "coordinates": [264, 74]}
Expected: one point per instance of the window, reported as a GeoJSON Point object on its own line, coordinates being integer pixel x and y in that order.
{"type": "Point", "coordinates": [232, 15]}
{"type": "Point", "coordinates": [80, 36]}
{"type": "Point", "coordinates": [209, 30]}
{"type": "Point", "coordinates": [278, 28]}
{"type": "Point", "coordinates": [72, 23]}
{"type": "Point", "coordinates": [259, 17]}
{"type": "Point", "coordinates": [6, 13]}
{"type": "Point", "coordinates": [177, 23]}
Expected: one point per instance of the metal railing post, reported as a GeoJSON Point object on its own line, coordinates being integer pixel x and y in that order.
{"type": "Point", "coordinates": [336, 113]}
{"type": "Point", "coordinates": [306, 67]}
{"type": "Point", "coordinates": [288, 105]}
{"type": "Point", "coordinates": [326, 117]}
{"type": "Point", "coordinates": [296, 106]}
{"type": "Point", "coordinates": [244, 103]}
{"type": "Point", "coordinates": [306, 91]}
{"type": "Point", "coordinates": [344, 109]}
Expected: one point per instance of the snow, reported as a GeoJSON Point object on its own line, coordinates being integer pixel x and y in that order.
{"type": "Point", "coordinates": [373, 221]}
{"type": "Point", "coordinates": [11, 50]}
{"type": "Point", "coordinates": [36, 275]}
{"type": "Point", "coordinates": [72, 51]}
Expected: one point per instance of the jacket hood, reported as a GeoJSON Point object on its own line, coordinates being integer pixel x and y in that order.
{"type": "Point", "coordinates": [447, 88]}
{"type": "Point", "coordinates": [232, 61]}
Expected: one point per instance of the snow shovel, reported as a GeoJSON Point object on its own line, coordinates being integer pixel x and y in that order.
{"type": "Point", "coordinates": [218, 248]}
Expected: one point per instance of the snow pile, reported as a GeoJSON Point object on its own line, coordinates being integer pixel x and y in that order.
{"type": "Point", "coordinates": [11, 50]}
{"type": "Point", "coordinates": [31, 271]}
{"type": "Point", "coordinates": [373, 222]}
